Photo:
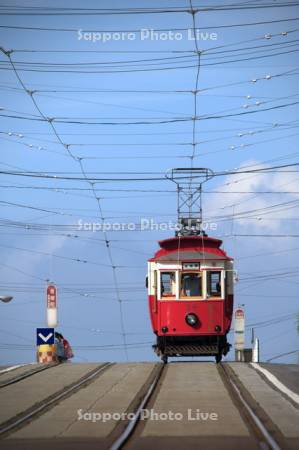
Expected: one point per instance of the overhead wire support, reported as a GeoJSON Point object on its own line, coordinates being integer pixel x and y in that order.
{"type": "Point", "coordinates": [78, 160]}
{"type": "Point", "coordinates": [189, 197]}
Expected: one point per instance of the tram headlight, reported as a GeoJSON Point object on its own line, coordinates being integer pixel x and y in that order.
{"type": "Point", "coordinates": [192, 319]}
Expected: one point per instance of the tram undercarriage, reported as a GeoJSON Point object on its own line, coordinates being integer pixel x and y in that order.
{"type": "Point", "coordinates": [181, 346]}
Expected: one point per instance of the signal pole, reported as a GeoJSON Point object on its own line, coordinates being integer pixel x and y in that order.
{"type": "Point", "coordinates": [239, 333]}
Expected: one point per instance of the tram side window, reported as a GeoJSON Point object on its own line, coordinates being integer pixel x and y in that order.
{"type": "Point", "coordinates": [214, 283]}
{"type": "Point", "coordinates": [168, 284]}
{"type": "Point", "coordinates": [191, 285]}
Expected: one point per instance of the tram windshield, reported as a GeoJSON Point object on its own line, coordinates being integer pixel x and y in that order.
{"type": "Point", "coordinates": [191, 284]}
{"type": "Point", "coordinates": [168, 286]}
{"type": "Point", "coordinates": [214, 283]}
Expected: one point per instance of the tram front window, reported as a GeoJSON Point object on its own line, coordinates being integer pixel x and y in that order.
{"type": "Point", "coordinates": [214, 283]}
{"type": "Point", "coordinates": [168, 284]}
{"type": "Point", "coordinates": [191, 285]}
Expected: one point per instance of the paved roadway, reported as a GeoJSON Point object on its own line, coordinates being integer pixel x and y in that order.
{"type": "Point", "coordinates": [189, 387]}
{"type": "Point", "coordinates": [288, 374]}
{"type": "Point", "coordinates": [22, 395]}
{"type": "Point", "coordinates": [9, 369]}
{"type": "Point", "coordinates": [207, 415]}
{"type": "Point", "coordinates": [283, 413]}
{"type": "Point", "coordinates": [15, 371]}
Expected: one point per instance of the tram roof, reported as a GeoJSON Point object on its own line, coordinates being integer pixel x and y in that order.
{"type": "Point", "coordinates": [188, 248]}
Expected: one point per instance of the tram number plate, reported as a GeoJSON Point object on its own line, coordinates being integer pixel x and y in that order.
{"type": "Point", "coordinates": [190, 266]}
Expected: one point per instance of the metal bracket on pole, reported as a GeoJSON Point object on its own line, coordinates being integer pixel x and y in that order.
{"type": "Point", "coordinates": [189, 183]}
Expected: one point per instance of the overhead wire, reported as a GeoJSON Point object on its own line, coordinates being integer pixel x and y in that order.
{"type": "Point", "coordinates": [66, 147]}
{"type": "Point", "coordinates": [266, 22]}
{"type": "Point", "coordinates": [90, 181]}
{"type": "Point", "coordinates": [53, 11]}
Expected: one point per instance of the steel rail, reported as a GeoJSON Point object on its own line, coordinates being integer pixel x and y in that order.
{"type": "Point", "coordinates": [27, 374]}
{"type": "Point", "coordinates": [257, 425]}
{"type": "Point", "coordinates": [12, 368]}
{"type": "Point", "coordinates": [129, 429]}
{"type": "Point", "coordinates": [31, 413]}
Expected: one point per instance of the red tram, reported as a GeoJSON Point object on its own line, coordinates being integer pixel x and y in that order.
{"type": "Point", "coordinates": [190, 295]}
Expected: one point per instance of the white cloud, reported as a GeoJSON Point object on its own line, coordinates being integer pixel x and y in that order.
{"type": "Point", "coordinates": [261, 220]}
{"type": "Point", "coordinates": [28, 262]}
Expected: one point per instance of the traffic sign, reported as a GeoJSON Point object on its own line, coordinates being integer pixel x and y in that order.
{"type": "Point", "coordinates": [51, 296]}
{"type": "Point", "coordinates": [44, 336]}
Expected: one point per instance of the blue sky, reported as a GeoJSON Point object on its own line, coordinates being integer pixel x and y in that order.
{"type": "Point", "coordinates": [45, 243]}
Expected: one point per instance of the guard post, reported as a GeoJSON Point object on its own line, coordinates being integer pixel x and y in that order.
{"type": "Point", "coordinates": [46, 349]}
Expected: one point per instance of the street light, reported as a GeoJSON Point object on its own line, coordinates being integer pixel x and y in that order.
{"type": "Point", "coordinates": [6, 298]}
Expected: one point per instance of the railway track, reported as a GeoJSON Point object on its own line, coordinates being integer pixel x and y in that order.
{"type": "Point", "coordinates": [218, 387]}
{"type": "Point", "coordinates": [260, 424]}
{"type": "Point", "coordinates": [264, 431]}
{"type": "Point", "coordinates": [12, 368]}
{"type": "Point", "coordinates": [24, 417]}
{"type": "Point", "coordinates": [122, 434]}
{"type": "Point", "coordinates": [28, 373]}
